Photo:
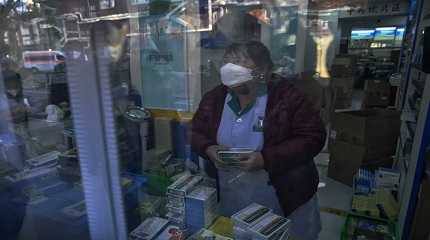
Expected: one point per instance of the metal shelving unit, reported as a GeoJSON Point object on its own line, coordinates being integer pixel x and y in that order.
{"type": "Point", "coordinates": [413, 164]}
{"type": "Point", "coordinates": [414, 103]}
{"type": "Point", "coordinates": [408, 48]}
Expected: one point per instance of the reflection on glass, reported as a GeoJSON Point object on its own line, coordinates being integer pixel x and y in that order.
{"type": "Point", "coordinates": [41, 194]}
{"type": "Point", "coordinates": [361, 38]}
{"type": "Point", "coordinates": [40, 169]}
{"type": "Point", "coordinates": [400, 32]}
{"type": "Point", "coordinates": [151, 62]}
{"type": "Point", "coordinates": [384, 37]}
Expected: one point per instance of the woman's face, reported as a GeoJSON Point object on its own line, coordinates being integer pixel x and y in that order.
{"type": "Point", "coordinates": [244, 61]}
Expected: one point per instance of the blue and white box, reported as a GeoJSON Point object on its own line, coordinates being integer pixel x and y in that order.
{"type": "Point", "coordinates": [200, 208]}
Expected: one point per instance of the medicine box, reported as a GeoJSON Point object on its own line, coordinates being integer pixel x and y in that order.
{"type": "Point", "coordinates": [149, 229]}
{"type": "Point", "coordinates": [272, 226]}
{"type": "Point", "coordinates": [249, 216]}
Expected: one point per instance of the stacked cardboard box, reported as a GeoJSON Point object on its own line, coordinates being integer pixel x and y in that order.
{"type": "Point", "coordinates": [342, 82]}
{"type": "Point", "coordinates": [176, 194]}
{"type": "Point", "coordinates": [362, 139]}
{"type": "Point", "coordinates": [377, 93]}
{"type": "Point", "coordinates": [343, 97]}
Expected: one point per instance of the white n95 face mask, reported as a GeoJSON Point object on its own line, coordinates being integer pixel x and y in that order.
{"type": "Point", "coordinates": [232, 74]}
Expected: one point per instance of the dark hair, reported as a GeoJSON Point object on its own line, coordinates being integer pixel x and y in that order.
{"type": "Point", "coordinates": [255, 50]}
{"type": "Point", "coordinates": [259, 54]}
{"type": "Point", "coordinates": [12, 80]}
{"type": "Point", "coordinates": [236, 49]}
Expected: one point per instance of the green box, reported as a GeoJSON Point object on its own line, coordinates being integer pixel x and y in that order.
{"type": "Point", "coordinates": [356, 225]}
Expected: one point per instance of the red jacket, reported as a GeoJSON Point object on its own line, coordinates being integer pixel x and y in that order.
{"type": "Point", "coordinates": [293, 135]}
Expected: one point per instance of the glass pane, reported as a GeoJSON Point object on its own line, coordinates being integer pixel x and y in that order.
{"type": "Point", "coordinates": [206, 106]}
{"type": "Point", "coordinates": [41, 193]}
{"type": "Point", "coordinates": [234, 101]}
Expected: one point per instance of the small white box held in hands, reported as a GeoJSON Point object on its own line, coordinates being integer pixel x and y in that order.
{"type": "Point", "coordinates": [234, 156]}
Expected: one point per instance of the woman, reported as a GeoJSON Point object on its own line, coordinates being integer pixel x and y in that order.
{"type": "Point", "coordinates": [256, 109]}
{"type": "Point", "coordinates": [12, 104]}
{"type": "Point", "coordinates": [13, 112]}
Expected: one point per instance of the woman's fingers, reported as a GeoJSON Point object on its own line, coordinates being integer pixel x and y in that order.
{"type": "Point", "coordinates": [253, 163]}
{"type": "Point", "coordinates": [248, 164]}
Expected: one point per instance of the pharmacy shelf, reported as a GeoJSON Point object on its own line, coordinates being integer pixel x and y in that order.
{"type": "Point", "coordinates": [409, 48]}
{"type": "Point", "coordinates": [413, 167]}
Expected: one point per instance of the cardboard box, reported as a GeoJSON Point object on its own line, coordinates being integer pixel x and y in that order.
{"type": "Point", "coordinates": [342, 92]}
{"type": "Point", "coordinates": [367, 154]}
{"type": "Point", "coordinates": [373, 85]}
{"type": "Point", "coordinates": [377, 93]}
{"type": "Point", "coordinates": [342, 71]}
{"type": "Point", "coordinates": [344, 66]}
{"type": "Point", "coordinates": [376, 99]}
{"type": "Point", "coordinates": [362, 139]}
{"type": "Point", "coordinates": [346, 159]}
{"type": "Point", "coordinates": [376, 128]}
{"type": "Point", "coordinates": [345, 60]}
{"type": "Point", "coordinates": [345, 82]}
{"type": "Point", "coordinates": [342, 97]}
{"type": "Point", "coordinates": [343, 103]}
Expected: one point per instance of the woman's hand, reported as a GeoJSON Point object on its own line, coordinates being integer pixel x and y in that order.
{"type": "Point", "coordinates": [254, 162]}
{"type": "Point", "coordinates": [212, 153]}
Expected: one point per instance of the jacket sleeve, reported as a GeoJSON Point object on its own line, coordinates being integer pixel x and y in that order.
{"type": "Point", "coordinates": [200, 135]}
{"type": "Point", "coordinates": [307, 137]}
